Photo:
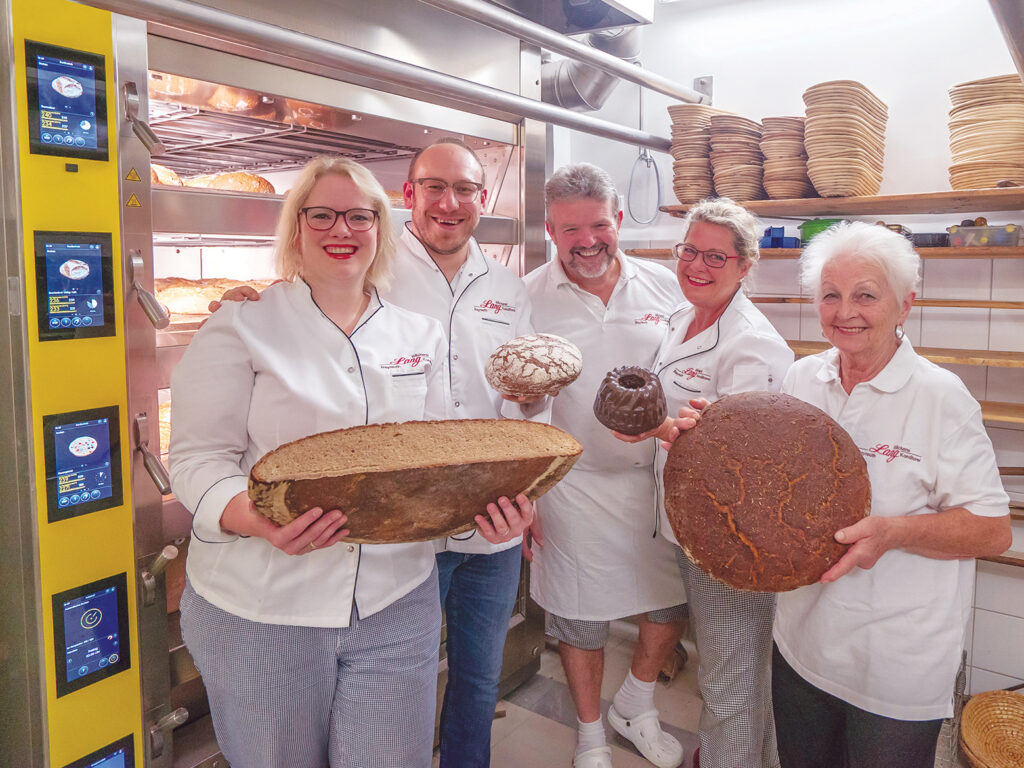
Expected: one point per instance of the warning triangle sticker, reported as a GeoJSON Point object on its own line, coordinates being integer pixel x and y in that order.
{"type": "Point", "coordinates": [133, 202]}
{"type": "Point", "coordinates": [132, 176]}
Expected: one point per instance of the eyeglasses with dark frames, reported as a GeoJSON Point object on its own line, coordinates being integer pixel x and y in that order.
{"type": "Point", "coordinates": [715, 259]}
{"type": "Point", "coordinates": [435, 189]}
{"type": "Point", "coordinates": [356, 219]}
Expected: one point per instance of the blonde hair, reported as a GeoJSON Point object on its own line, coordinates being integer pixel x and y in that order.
{"type": "Point", "coordinates": [741, 223]}
{"type": "Point", "coordinates": [286, 247]}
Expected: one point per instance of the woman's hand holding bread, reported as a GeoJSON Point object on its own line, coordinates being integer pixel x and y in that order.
{"type": "Point", "coordinates": [670, 428]}
{"type": "Point", "coordinates": [314, 529]}
{"type": "Point", "coordinates": [506, 523]}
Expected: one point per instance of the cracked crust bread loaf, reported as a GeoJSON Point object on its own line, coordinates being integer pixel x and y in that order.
{"type": "Point", "coordinates": [535, 364]}
{"type": "Point", "coordinates": [234, 181]}
{"type": "Point", "coordinates": [182, 296]}
{"type": "Point", "coordinates": [160, 174]}
{"type": "Point", "coordinates": [415, 481]}
{"type": "Point", "coordinates": [756, 491]}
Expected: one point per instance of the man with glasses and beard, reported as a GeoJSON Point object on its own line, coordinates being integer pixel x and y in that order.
{"type": "Point", "coordinates": [598, 555]}
{"type": "Point", "coordinates": [440, 271]}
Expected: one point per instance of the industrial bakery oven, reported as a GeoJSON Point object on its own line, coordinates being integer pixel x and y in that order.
{"type": "Point", "coordinates": [217, 114]}
{"type": "Point", "coordinates": [108, 549]}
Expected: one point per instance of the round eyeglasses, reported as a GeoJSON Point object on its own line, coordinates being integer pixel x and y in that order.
{"type": "Point", "coordinates": [714, 259]}
{"type": "Point", "coordinates": [435, 189]}
{"type": "Point", "coordinates": [356, 219]}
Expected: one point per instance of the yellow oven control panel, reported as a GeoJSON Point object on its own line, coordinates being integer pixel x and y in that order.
{"type": "Point", "coordinates": [70, 206]}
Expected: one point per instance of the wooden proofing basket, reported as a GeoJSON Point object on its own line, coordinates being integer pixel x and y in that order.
{"type": "Point", "coordinates": [992, 730]}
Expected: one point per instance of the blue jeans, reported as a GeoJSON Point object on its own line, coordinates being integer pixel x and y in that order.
{"type": "Point", "coordinates": [478, 593]}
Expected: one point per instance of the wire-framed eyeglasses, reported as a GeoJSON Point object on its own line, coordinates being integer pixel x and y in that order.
{"type": "Point", "coordinates": [356, 219]}
{"type": "Point", "coordinates": [435, 189]}
{"type": "Point", "coordinates": [715, 259]}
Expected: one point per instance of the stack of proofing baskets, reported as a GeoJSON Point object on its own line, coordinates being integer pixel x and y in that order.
{"type": "Point", "coordinates": [845, 138]}
{"type": "Point", "coordinates": [992, 730]}
{"type": "Point", "coordinates": [986, 132]}
{"type": "Point", "coordinates": [690, 150]}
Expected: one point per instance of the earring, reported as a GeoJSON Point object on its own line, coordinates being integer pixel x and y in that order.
{"type": "Point", "coordinates": [900, 333]}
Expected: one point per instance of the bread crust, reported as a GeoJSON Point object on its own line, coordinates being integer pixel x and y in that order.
{"type": "Point", "coordinates": [756, 491]}
{"type": "Point", "coordinates": [422, 502]}
{"type": "Point", "coordinates": [159, 174]}
{"type": "Point", "coordinates": [533, 365]}
{"type": "Point", "coordinates": [235, 181]}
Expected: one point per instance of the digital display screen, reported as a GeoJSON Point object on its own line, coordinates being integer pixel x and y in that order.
{"type": "Point", "coordinates": [67, 103]}
{"type": "Point", "coordinates": [91, 628]}
{"type": "Point", "coordinates": [120, 754]}
{"type": "Point", "coordinates": [74, 285]}
{"type": "Point", "coordinates": [83, 462]}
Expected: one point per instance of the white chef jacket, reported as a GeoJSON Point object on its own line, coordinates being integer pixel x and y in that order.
{"type": "Point", "coordinates": [260, 374]}
{"type": "Point", "coordinates": [601, 557]}
{"type": "Point", "coordinates": [739, 352]}
{"type": "Point", "coordinates": [484, 306]}
{"type": "Point", "coordinates": [889, 639]}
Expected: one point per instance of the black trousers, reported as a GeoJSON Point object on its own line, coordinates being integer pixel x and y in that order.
{"type": "Point", "coordinates": [818, 730]}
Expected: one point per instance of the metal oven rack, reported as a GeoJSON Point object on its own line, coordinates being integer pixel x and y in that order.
{"type": "Point", "coordinates": [199, 141]}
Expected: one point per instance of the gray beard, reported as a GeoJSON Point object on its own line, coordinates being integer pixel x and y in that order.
{"type": "Point", "coordinates": [590, 272]}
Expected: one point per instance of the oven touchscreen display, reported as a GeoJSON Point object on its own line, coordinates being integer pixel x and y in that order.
{"type": "Point", "coordinates": [82, 452]}
{"type": "Point", "coordinates": [74, 285]}
{"type": "Point", "coordinates": [90, 633]}
{"type": "Point", "coordinates": [91, 627]}
{"type": "Point", "coordinates": [67, 103]}
{"type": "Point", "coordinates": [120, 754]}
{"type": "Point", "coordinates": [83, 472]}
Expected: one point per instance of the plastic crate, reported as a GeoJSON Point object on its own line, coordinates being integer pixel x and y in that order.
{"type": "Point", "coordinates": [967, 237]}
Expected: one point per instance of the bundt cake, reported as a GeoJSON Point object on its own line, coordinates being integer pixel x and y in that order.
{"type": "Point", "coordinates": [630, 400]}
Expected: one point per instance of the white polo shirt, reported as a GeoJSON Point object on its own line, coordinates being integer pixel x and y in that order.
{"type": "Point", "coordinates": [889, 639]}
{"type": "Point", "coordinates": [260, 374]}
{"type": "Point", "coordinates": [739, 352]}
{"type": "Point", "coordinates": [484, 306]}
{"type": "Point", "coordinates": [601, 558]}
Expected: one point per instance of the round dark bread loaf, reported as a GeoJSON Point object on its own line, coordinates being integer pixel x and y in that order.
{"type": "Point", "coordinates": [630, 400]}
{"type": "Point", "coordinates": [756, 491]}
{"type": "Point", "coordinates": [534, 364]}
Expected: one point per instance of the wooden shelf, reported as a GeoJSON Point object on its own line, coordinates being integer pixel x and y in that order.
{"type": "Point", "coordinates": [946, 303]}
{"type": "Point", "coordinates": [782, 254]}
{"type": "Point", "coordinates": [1011, 471]}
{"type": "Point", "coordinates": [963, 201]}
{"type": "Point", "coordinates": [1009, 557]}
{"type": "Point", "coordinates": [1003, 413]}
{"type": "Point", "coordinates": [935, 354]}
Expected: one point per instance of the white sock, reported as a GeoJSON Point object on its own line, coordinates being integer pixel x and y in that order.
{"type": "Point", "coordinates": [634, 697]}
{"type": "Point", "coordinates": [589, 735]}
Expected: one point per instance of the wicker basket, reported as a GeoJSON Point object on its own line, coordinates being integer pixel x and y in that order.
{"type": "Point", "coordinates": [992, 730]}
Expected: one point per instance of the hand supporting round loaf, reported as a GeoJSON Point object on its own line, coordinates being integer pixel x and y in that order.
{"type": "Point", "coordinates": [756, 491]}
{"type": "Point", "coordinates": [534, 364]}
{"type": "Point", "coordinates": [415, 481]}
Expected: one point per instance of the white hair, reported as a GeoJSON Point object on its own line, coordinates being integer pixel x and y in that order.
{"type": "Point", "coordinates": [891, 253]}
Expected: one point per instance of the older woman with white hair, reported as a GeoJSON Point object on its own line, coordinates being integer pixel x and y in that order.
{"type": "Point", "coordinates": [865, 660]}
{"type": "Point", "coordinates": [718, 343]}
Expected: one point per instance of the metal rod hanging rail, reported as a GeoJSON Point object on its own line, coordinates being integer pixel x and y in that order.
{"type": "Point", "coordinates": [344, 63]}
{"type": "Point", "coordinates": [531, 32]}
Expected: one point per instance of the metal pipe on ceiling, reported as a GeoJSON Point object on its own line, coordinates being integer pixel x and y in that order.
{"type": "Point", "coordinates": [1010, 16]}
{"type": "Point", "coordinates": [531, 32]}
{"type": "Point", "coordinates": [342, 62]}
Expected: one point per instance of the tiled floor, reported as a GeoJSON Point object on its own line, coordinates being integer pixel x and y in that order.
{"type": "Point", "coordinates": [539, 726]}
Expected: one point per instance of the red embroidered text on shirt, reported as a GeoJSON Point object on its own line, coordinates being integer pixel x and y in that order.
{"type": "Point", "coordinates": [410, 361]}
{"type": "Point", "coordinates": [651, 318]}
{"type": "Point", "coordinates": [691, 373]}
{"type": "Point", "coordinates": [891, 452]}
{"type": "Point", "coordinates": [497, 307]}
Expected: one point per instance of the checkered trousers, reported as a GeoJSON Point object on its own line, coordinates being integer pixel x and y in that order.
{"type": "Point", "coordinates": [281, 696]}
{"type": "Point", "coordinates": [734, 642]}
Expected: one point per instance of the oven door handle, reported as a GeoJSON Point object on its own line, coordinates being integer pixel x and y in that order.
{"type": "Point", "coordinates": [153, 309]}
{"type": "Point", "coordinates": [132, 109]}
{"type": "Point", "coordinates": [154, 467]}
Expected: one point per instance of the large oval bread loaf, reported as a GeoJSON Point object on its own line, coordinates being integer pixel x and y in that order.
{"type": "Point", "coordinates": [756, 491]}
{"type": "Point", "coordinates": [534, 364]}
{"type": "Point", "coordinates": [414, 481]}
